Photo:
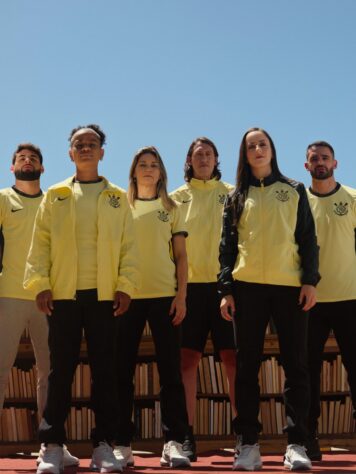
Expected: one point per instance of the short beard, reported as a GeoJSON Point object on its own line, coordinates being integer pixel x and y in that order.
{"type": "Point", "coordinates": [28, 175]}
{"type": "Point", "coordinates": [321, 176]}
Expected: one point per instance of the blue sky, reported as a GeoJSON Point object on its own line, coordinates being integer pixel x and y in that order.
{"type": "Point", "coordinates": [162, 72]}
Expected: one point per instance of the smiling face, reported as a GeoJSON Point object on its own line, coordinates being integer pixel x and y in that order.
{"type": "Point", "coordinates": [259, 153]}
{"type": "Point", "coordinates": [203, 161]}
{"type": "Point", "coordinates": [27, 166]}
{"type": "Point", "coordinates": [320, 162]}
{"type": "Point", "coordinates": [147, 172]}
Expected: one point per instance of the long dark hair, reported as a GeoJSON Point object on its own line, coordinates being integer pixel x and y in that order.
{"type": "Point", "coordinates": [243, 173]}
{"type": "Point", "coordinates": [188, 168]}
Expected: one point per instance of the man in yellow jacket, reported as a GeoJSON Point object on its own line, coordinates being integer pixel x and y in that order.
{"type": "Point", "coordinates": [82, 267]}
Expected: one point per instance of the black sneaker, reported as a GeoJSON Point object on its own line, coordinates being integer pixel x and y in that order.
{"type": "Point", "coordinates": [189, 448]}
{"type": "Point", "coordinates": [313, 449]}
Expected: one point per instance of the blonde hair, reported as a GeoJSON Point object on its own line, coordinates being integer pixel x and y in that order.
{"type": "Point", "coordinates": [132, 192]}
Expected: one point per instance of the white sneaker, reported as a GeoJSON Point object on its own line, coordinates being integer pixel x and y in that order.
{"type": "Point", "coordinates": [173, 456]}
{"type": "Point", "coordinates": [103, 459]}
{"type": "Point", "coordinates": [248, 458]}
{"type": "Point", "coordinates": [68, 459]}
{"type": "Point", "coordinates": [51, 460]}
{"type": "Point", "coordinates": [296, 458]}
{"type": "Point", "coordinates": [124, 455]}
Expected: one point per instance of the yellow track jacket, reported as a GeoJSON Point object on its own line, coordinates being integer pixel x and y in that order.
{"type": "Point", "coordinates": [274, 241]}
{"type": "Point", "coordinates": [52, 259]}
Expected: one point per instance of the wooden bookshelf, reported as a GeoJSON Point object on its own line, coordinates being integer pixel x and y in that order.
{"type": "Point", "coordinates": [213, 418]}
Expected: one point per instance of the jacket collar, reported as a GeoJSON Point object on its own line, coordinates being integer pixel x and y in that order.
{"type": "Point", "coordinates": [267, 181]}
{"type": "Point", "coordinates": [204, 185]}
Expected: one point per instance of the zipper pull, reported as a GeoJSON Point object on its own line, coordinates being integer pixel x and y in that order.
{"type": "Point", "coordinates": [262, 182]}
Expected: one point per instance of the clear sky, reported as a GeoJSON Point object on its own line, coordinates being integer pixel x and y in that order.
{"type": "Point", "coordinates": [162, 72]}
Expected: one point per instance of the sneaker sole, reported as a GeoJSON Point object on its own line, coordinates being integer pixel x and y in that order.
{"type": "Point", "coordinates": [175, 463]}
{"type": "Point", "coordinates": [76, 464]}
{"type": "Point", "coordinates": [94, 468]}
{"type": "Point", "coordinates": [50, 471]}
{"type": "Point", "coordinates": [298, 466]}
{"type": "Point", "coordinates": [254, 467]}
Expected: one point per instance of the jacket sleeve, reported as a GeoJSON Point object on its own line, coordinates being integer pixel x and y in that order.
{"type": "Point", "coordinates": [228, 251]}
{"type": "Point", "coordinates": [38, 260]}
{"type": "Point", "coordinates": [305, 236]}
{"type": "Point", "coordinates": [128, 280]}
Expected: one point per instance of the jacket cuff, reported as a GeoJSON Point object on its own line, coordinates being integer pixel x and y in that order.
{"type": "Point", "coordinates": [37, 285]}
{"type": "Point", "coordinates": [126, 287]}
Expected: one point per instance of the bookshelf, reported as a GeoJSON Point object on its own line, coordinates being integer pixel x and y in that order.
{"type": "Point", "coordinates": [212, 425]}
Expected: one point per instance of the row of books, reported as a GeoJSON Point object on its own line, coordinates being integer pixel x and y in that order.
{"type": "Point", "coordinates": [336, 417]}
{"type": "Point", "coordinates": [17, 424]}
{"type": "Point", "coordinates": [333, 376]}
{"type": "Point", "coordinates": [213, 418]}
{"type": "Point", "coordinates": [211, 379]}
{"type": "Point", "coordinates": [22, 383]}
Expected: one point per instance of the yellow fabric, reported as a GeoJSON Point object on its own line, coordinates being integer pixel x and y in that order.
{"type": "Point", "coordinates": [154, 227]}
{"type": "Point", "coordinates": [52, 260]}
{"type": "Point", "coordinates": [267, 250]}
{"type": "Point", "coordinates": [335, 221]}
{"type": "Point", "coordinates": [86, 231]}
{"type": "Point", "coordinates": [17, 215]}
{"type": "Point", "coordinates": [202, 206]}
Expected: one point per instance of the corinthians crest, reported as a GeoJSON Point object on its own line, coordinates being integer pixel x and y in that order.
{"type": "Point", "coordinates": [222, 198]}
{"type": "Point", "coordinates": [282, 195]}
{"type": "Point", "coordinates": [163, 216]}
{"type": "Point", "coordinates": [114, 201]}
{"type": "Point", "coordinates": [341, 208]}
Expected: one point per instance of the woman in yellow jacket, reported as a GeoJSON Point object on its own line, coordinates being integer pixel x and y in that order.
{"type": "Point", "coordinates": [160, 234]}
{"type": "Point", "coordinates": [269, 268]}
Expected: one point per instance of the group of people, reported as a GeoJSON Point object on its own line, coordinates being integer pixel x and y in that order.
{"type": "Point", "coordinates": [207, 258]}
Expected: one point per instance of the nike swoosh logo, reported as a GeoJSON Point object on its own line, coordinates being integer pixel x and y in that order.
{"type": "Point", "coordinates": [185, 202]}
{"type": "Point", "coordinates": [15, 210]}
{"type": "Point", "coordinates": [62, 199]}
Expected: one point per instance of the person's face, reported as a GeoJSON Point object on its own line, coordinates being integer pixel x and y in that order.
{"type": "Point", "coordinates": [86, 150]}
{"type": "Point", "coordinates": [258, 151]}
{"type": "Point", "coordinates": [147, 171]}
{"type": "Point", "coordinates": [203, 161]}
{"type": "Point", "coordinates": [320, 162]}
{"type": "Point", "coordinates": [27, 166]}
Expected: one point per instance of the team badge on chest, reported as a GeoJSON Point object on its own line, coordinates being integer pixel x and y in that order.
{"type": "Point", "coordinates": [282, 195]}
{"type": "Point", "coordinates": [222, 198]}
{"type": "Point", "coordinates": [163, 216]}
{"type": "Point", "coordinates": [341, 208]}
{"type": "Point", "coordinates": [114, 201]}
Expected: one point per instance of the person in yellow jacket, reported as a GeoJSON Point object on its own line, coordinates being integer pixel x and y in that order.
{"type": "Point", "coordinates": [269, 268]}
{"type": "Point", "coordinates": [82, 267]}
{"type": "Point", "coordinates": [202, 199]}
{"type": "Point", "coordinates": [160, 233]}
